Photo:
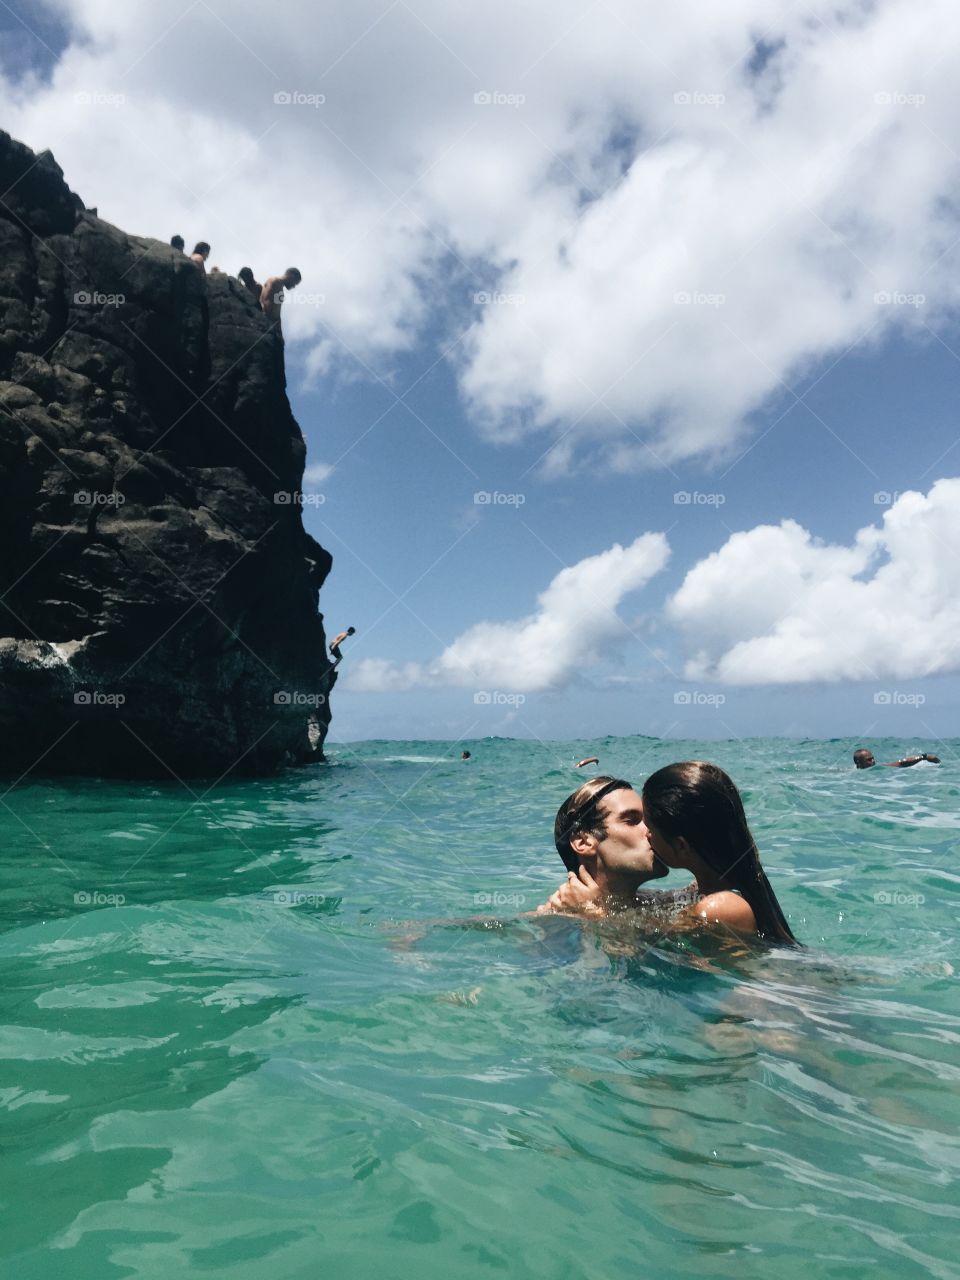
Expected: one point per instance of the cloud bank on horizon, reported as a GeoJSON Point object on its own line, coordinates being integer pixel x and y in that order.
{"type": "Point", "coordinates": [643, 222]}
{"type": "Point", "coordinates": [575, 624]}
{"type": "Point", "coordinates": [774, 605]}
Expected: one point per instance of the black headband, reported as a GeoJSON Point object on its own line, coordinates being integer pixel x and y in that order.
{"type": "Point", "coordinates": [576, 818]}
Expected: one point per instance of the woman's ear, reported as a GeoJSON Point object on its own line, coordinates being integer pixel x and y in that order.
{"type": "Point", "coordinates": [681, 846]}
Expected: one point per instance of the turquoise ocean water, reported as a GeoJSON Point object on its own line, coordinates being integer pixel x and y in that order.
{"type": "Point", "coordinates": [250, 1031]}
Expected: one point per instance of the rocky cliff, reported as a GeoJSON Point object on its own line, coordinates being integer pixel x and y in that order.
{"type": "Point", "coordinates": [158, 592]}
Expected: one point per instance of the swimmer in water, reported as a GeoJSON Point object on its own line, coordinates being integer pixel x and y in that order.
{"type": "Point", "coordinates": [692, 817]}
{"type": "Point", "coordinates": [464, 755]}
{"type": "Point", "coordinates": [864, 759]}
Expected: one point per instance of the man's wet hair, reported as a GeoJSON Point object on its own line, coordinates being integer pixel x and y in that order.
{"type": "Point", "coordinates": [292, 271]}
{"type": "Point", "coordinates": [176, 242]}
{"type": "Point", "coordinates": [579, 814]}
{"type": "Point", "coordinates": [201, 247]}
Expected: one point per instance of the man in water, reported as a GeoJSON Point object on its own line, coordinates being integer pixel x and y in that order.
{"type": "Point", "coordinates": [270, 294]}
{"type": "Point", "coordinates": [600, 836]}
{"type": "Point", "coordinates": [589, 760]}
{"type": "Point", "coordinates": [337, 641]}
{"type": "Point", "coordinates": [464, 755]}
{"type": "Point", "coordinates": [864, 759]}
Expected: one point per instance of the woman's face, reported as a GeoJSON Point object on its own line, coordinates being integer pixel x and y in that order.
{"type": "Point", "coordinates": [661, 847]}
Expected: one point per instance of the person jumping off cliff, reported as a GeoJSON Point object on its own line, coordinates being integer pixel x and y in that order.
{"type": "Point", "coordinates": [271, 294]}
{"type": "Point", "coordinates": [337, 641]}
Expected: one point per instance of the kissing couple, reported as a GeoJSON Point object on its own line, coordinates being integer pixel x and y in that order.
{"type": "Point", "coordinates": [689, 815]}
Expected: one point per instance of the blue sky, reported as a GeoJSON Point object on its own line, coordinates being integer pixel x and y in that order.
{"type": "Point", "coordinates": [793, 179]}
{"type": "Point", "coordinates": [893, 407]}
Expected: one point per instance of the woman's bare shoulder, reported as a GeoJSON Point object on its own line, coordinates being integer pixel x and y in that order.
{"type": "Point", "coordinates": [724, 908]}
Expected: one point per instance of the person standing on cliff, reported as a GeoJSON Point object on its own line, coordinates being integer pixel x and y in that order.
{"type": "Point", "coordinates": [337, 641]}
{"type": "Point", "coordinates": [246, 278]}
{"type": "Point", "coordinates": [271, 295]}
{"type": "Point", "coordinates": [201, 252]}
{"type": "Point", "coordinates": [176, 242]}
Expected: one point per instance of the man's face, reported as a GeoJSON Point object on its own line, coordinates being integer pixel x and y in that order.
{"type": "Point", "coordinates": [864, 760]}
{"type": "Point", "coordinates": [625, 848]}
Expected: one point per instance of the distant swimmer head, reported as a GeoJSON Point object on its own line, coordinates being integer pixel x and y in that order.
{"type": "Point", "coordinates": [464, 755]}
{"type": "Point", "coordinates": [291, 278]}
{"type": "Point", "coordinates": [863, 758]}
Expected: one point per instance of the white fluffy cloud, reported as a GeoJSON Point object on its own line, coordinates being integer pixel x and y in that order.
{"type": "Point", "coordinates": [790, 183]}
{"type": "Point", "coordinates": [774, 605]}
{"type": "Point", "coordinates": [575, 624]}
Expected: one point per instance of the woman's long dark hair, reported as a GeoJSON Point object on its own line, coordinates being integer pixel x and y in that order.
{"type": "Point", "coordinates": [699, 802]}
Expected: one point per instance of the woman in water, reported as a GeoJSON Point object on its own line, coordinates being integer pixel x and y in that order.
{"type": "Point", "coordinates": [694, 819]}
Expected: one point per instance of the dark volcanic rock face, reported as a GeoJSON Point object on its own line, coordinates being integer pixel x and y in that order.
{"type": "Point", "coordinates": [158, 593]}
